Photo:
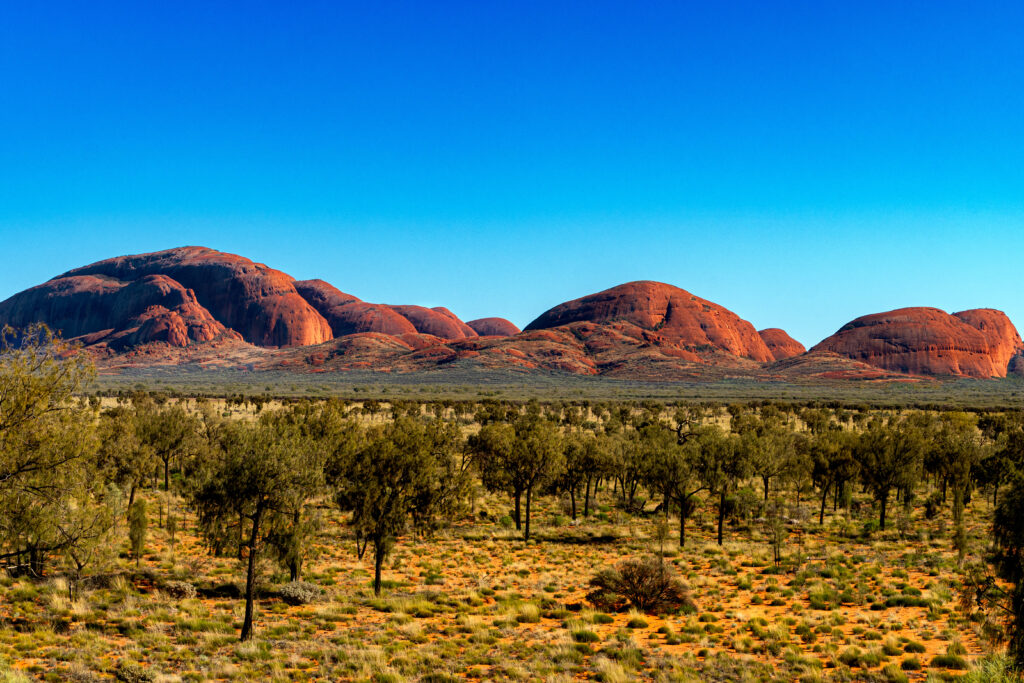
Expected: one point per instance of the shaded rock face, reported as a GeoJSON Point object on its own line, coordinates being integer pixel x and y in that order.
{"type": "Point", "coordinates": [346, 314]}
{"type": "Point", "coordinates": [674, 314]}
{"type": "Point", "coordinates": [780, 344]}
{"type": "Point", "coordinates": [100, 308]}
{"type": "Point", "coordinates": [258, 302]}
{"type": "Point", "coordinates": [349, 315]}
{"type": "Point", "coordinates": [976, 343]}
{"type": "Point", "coordinates": [439, 322]}
{"type": "Point", "coordinates": [493, 327]}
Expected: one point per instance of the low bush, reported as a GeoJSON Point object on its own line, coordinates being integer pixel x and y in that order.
{"type": "Point", "coordinates": [648, 585]}
{"type": "Point", "coordinates": [300, 593]}
{"type": "Point", "coordinates": [182, 590]}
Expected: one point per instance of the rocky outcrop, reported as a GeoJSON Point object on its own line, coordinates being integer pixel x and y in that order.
{"type": "Point", "coordinates": [346, 314]}
{"type": "Point", "coordinates": [493, 327]}
{"type": "Point", "coordinates": [674, 315]}
{"type": "Point", "coordinates": [780, 344]}
{"type": "Point", "coordinates": [258, 302]}
{"type": "Point", "coordinates": [928, 341]}
{"type": "Point", "coordinates": [439, 322]}
{"type": "Point", "coordinates": [102, 309]}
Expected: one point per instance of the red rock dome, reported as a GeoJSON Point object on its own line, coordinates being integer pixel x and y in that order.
{"type": "Point", "coordinates": [673, 313]}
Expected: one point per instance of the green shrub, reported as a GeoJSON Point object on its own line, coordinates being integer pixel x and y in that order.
{"type": "Point", "coordinates": [948, 662]}
{"type": "Point", "coordinates": [649, 585]}
{"type": "Point", "coordinates": [300, 593]}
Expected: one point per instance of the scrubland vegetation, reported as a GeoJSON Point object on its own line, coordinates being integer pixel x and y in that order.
{"type": "Point", "coordinates": [148, 538]}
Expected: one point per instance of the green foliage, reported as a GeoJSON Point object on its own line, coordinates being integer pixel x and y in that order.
{"type": "Point", "coordinates": [54, 499]}
{"type": "Point", "coordinates": [649, 585]}
{"type": "Point", "coordinates": [137, 526]}
{"type": "Point", "coordinates": [262, 475]}
{"type": "Point", "coordinates": [406, 475]}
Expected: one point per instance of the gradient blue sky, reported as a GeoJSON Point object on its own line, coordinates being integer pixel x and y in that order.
{"type": "Point", "coordinates": [801, 163]}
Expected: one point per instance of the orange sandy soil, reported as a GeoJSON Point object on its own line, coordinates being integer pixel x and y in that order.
{"type": "Point", "coordinates": [477, 602]}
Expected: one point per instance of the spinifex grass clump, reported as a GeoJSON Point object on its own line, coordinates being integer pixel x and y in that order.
{"type": "Point", "coordinates": [648, 585]}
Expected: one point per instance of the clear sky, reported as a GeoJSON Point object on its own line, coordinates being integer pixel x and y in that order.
{"type": "Point", "coordinates": [801, 163]}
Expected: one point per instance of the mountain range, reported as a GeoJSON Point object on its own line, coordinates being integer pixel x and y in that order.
{"type": "Point", "coordinates": [211, 309]}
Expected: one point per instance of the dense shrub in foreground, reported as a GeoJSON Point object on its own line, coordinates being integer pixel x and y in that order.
{"type": "Point", "coordinates": [648, 585]}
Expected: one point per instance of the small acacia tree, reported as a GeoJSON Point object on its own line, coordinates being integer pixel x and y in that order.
{"type": "Point", "coordinates": [51, 500]}
{"type": "Point", "coordinates": [518, 458]}
{"type": "Point", "coordinates": [137, 524]}
{"type": "Point", "coordinates": [890, 458]}
{"type": "Point", "coordinates": [721, 463]}
{"type": "Point", "coordinates": [262, 474]}
{"type": "Point", "coordinates": [405, 476]}
{"type": "Point", "coordinates": [168, 431]}
{"type": "Point", "coordinates": [674, 471]}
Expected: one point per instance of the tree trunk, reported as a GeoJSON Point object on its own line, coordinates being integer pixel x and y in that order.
{"type": "Point", "coordinates": [167, 477]}
{"type": "Point", "coordinates": [241, 535]}
{"type": "Point", "coordinates": [682, 524]}
{"type": "Point", "coordinates": [884, 502]}
{"type": "Point", "coordinates": [378, 561]}
{"type": "Point", "coordinates": [586, 500]}
{"type": "Point", "coordinates": [250, 576]}
{"type": "Point", "coordinates": [721, 514]}
{"type": "Point", "coordinates": [765, 481]}
{"type": "Point", "coordinates": [824, 499]}
{"type": "Point", "coordinates": [518, 518]}
{"type": "Point", "coordinates": [572, 498]}
{"type": "Point", "coordinates": [295, 559]}
{"type": "Point", "coordinates": [529, 496]}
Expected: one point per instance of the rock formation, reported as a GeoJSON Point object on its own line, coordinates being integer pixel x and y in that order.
{"type": "Point", "coordinates": [348, 315]}
{"type": "Point", "coordinates": [928, 341]}
{"type": "Point", "coordinates": [118, 313]}
{"type": "Point", "coordinates": [675, 315]}
{"type": "Point", "coordinates": [493, 327]}
{"type": "Point", "coordinates": [258, 302]}
{"type": "Point", "coordinates": [780, 344]}
{"type": "Point", "coordinates": [439, 322]}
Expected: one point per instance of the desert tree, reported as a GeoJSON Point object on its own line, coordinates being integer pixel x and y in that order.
{"type": "Point", "coordinates": [1005, 435]}
{"type": "Point", "coordinates": [518, 458]}
{"type": "Point", "coordinates": [675, 473]}
{"type": "Point", "coordinates": [122, 455]}
{"type": "Point", "coordinates": [769, 445]}
{"type": "Point", "coordinates": [721, 463]}
{"type": "Point", "coordinates": [832, 464]}
{"type": "Point", "coordinates": [169, 431]}
{"type": "Point", "coordinates": [137, 526]}
{"type": "Point", "coordinates": [889, 454]}
{"type": "Point", "coordinates": [260, 474]}
{"type": "Point", "coordinates": [1000, 597]}
{"type": "Point", "coordinates": [956, 445]}
{"type": "Point", "coordinates": [53, 498]}
{"type": "Point", "coordinates": [399, 480]}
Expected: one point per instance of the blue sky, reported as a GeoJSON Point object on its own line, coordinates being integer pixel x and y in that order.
{"type": "Point", "coordinates": [801, 163]}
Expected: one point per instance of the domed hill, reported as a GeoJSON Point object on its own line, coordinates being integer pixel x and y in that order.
{"type": "Point", "coordinates": [928, 341]}
{"type": "Point", "coordinates": [676, 315]}
{"type": "Point", "coordinates": [493, 327]}
{"type": "Point", "coordinates": [100, 309]}
{"type": "Point", "coordinates": [259, 303]}
{"type": "Point", "coordinates": [780, 344]}
{"type": "Point", "coordinates": [439, 322]}
{"type": "Point", "coordinates": [348, 315]}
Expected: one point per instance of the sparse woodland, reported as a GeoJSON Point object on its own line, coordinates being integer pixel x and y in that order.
{"type": "Point", "coordinates": [146, 537]}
